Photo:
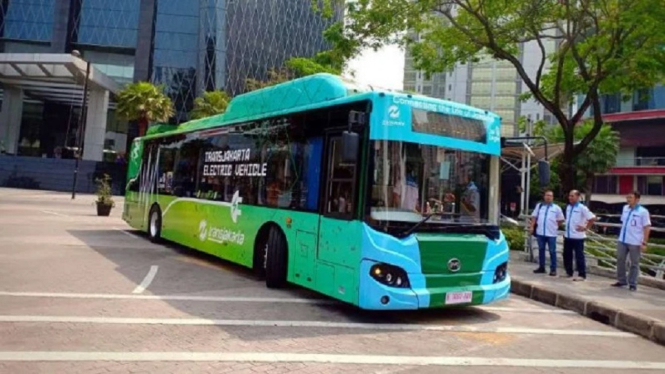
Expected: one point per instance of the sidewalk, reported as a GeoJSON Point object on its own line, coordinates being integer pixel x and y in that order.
{"type": "Point", "coordinates": [641, 312]}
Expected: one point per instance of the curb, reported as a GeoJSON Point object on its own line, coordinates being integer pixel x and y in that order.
{"type": "Point", "coordinates": [595, 270]}
{"type": "Point", "coordinates": [632, 322]}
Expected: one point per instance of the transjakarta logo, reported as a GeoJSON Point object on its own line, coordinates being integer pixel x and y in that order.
{"type": "Point", "coordinates": [393, 113]}
{"type": "Point", "coordinates": [219, 234]}
{"type": "Point", "coordinates": [203, 230]}
{"type": "Point", "coordinates": [495, 134]}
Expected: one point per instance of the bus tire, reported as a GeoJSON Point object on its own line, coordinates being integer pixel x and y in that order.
{"type": "Point", "coordinates": [276, 264]}
{"type": "Point", "coordinates": [155, 224]}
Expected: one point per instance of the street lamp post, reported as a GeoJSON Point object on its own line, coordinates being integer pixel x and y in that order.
{"type": "Point", "coordinates": [82, 122]}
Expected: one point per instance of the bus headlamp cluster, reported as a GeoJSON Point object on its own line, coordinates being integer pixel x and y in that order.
{"type": "Point", "coordinates": [500, 273]}
{"type": "Point", "coordinates": [390, 275]}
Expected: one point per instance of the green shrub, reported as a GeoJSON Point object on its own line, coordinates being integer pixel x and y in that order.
{"type": "Point", "coordinates": [514, 237]}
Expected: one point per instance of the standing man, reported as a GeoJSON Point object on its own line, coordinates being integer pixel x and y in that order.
{"type": "Point", "coordinates": [578, 219]}
{"type": "Point", "coordinates": [470, 201]}
{"type": "Point", "coordinates": [548, 216]}
{"type": "Point", "coordinates": [633, 238]}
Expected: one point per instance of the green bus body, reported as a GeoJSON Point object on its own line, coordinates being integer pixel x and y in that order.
{"type": "Point", "coordinates": [328, 225]}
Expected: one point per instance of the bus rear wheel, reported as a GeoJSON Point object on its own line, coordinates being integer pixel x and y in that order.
{"type": "Point", "coordinates": [155, 224]}
{"type": "Point", "coordinates": [276, 259]}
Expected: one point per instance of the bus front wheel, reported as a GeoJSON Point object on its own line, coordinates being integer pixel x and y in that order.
{"type": "Point", "coordinates": [155, 224]}
{"type": "Point", "coordinates": [276, 259]}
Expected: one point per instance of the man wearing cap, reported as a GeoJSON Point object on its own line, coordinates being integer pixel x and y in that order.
{"type": "Point", "coordinates": [548, 216]}
{"type": "Point", "coordinates": [633, 238]}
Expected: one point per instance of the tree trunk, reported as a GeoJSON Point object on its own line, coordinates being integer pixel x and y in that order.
{"type": "Point", "coordinates": [567, 172]}
{"type": "Point", "coordinates": [588, 188]}
{"type": "Point", "coordinates": [143, 126]}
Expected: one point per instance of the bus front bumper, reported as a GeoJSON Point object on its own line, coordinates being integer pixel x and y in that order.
{"type": "Point", "coordinates": [374, 295]}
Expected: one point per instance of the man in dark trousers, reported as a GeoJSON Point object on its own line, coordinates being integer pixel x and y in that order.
{"type": "Point", "coordinates": [578, 219]}
{"type": "Point", "coordinates": [547, 216]}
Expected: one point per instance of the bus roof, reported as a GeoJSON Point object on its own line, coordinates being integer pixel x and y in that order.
{"type": "Point", "coordinates": [307, 93]}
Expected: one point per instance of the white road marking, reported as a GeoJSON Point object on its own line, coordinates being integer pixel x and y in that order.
{"type": "Point", "coordinates": [226, 299]}
{"type": "Point", "coordinates": [325, 358]}
{"type": "Point", "coordinates": [171, 297]}
{"type": "Point", "coordinates": [525, 310]}
{"type": "Point", "coordinates": [147, 280]}
{"type": "Point", "coordinates": [55, 213]}
{"type": "Point", "coordinates": [310, 324]}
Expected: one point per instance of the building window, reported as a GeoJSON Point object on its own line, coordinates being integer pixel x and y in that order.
{"type": "Point", "coordinates": [503, 88]}
{"type": "Point", "coordinates": [650, 185]}
{"type": "Point", "coordinates": [504, 102]}
{"type": "Point", "coordinates": [481, 88]}
{"type": "Point", "coordinates": [107, 23]}
{"type": "Point", "coordinates": [27, 19]}
{"type": "Point", "coordinates": [605, 184]}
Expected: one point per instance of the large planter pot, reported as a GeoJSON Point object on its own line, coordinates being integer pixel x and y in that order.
{"type": "Point", "coordinates": [103, 209]}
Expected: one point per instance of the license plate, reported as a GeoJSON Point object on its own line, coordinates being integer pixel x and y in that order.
{"type": "Point", "coordinates": [459, 297]}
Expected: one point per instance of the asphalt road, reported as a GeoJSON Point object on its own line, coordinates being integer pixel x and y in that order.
{"type": "Point", "coordinates": [81, 293]}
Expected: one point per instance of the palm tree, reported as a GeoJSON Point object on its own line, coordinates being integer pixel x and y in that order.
{"type": "Point", "coordinates": [210, 104]}
{"type": "Point", "coordinates": [144, 102]}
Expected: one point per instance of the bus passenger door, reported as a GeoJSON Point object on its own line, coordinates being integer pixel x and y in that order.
{"type": "Point", "coordinates": [339, 248]}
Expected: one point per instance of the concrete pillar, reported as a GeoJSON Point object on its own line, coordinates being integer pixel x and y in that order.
{"type": "Point", "coordinates": [95, 125]}
{"type": "Point", "coordinates": [10, 119]}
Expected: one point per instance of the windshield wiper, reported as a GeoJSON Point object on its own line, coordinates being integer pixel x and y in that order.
{"type": "Point", "coordinates": [425, 219]}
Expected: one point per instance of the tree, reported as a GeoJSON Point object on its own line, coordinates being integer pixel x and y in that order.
{"type": "Point", "coordinates": [145, 103]}
{"type": "Point", "coordinates": [602, 46]}
{"type": "Point", "coordinates": [596, 159]}
{"type": "Point", "coordinates": [210, 103]}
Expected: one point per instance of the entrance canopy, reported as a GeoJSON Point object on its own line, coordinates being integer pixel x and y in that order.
{"type": "Point", "coordinates": [52, 77]}
{"type": "Point", "coordinates": [517, 151]}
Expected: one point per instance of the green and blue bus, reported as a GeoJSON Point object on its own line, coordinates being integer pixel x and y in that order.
{"type": "Point", "coordinates": [380, 199]}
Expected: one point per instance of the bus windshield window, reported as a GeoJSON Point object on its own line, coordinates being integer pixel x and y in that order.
{"type": "Point", "coordinates": [409, 181]}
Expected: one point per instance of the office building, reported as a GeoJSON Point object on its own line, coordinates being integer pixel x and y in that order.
{"type": "Point", "coordinates": [640, 164]}
{"type": "Point", "coordinates": [188, 46]}
{"type": "Point", "coordinates": [488, 84]}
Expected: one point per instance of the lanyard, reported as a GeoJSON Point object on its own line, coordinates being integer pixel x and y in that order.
{"type": "Point", "coordinates": [570, 217]}
{"type": "Point", "coordinates": [545, 219]}
{"type": "Point", "coordinates": [625, 224]}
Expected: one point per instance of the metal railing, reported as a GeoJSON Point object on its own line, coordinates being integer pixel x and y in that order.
{"type": "Point", "coordinates": [600, 250]}
{"type": "Point", "coordinates": [640, 161]}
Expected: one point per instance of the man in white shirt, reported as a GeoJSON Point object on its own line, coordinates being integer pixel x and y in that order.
{"type": "Point", "coordinates": [547, 216]}
{"type": "Point", "coordinates": [578, 219]}
{"type": "Point", "coordinates": [470, 202]}
{"type": "Point", "coordinates": [633, 238]}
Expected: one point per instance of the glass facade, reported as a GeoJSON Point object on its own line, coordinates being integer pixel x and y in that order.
{"type": "Point", "coordinates": [176, 52]}
{"type": "Point", "coordinates": [650, 99]}
{"type": "Point", "coordinates": [29, 20]}
{"type": "Point", "coordinates": [106, 23]}
{"type": "Point", "coordinates": [188, 46]}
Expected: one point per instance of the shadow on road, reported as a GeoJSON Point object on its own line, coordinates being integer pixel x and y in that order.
{"type": "Point", "coordinates": [183, 271]}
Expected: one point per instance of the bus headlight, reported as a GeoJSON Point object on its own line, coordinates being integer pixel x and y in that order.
{"type": "Point", "coordinates": [500, 272]}
{"type": "Point", "coordinates": [390, 275]}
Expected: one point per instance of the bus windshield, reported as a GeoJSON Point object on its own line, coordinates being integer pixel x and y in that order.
{"type": "Point", "coordinates": [410, 181]}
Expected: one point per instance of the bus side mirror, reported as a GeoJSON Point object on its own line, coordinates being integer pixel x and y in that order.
{"type": "Point", "coordinates": [544, 173]}
{"type": "Point", "coordinates": [350, 145]}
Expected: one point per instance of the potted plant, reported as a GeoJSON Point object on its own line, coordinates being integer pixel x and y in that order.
{"type": "Point", "coordinates": [104, 196]}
